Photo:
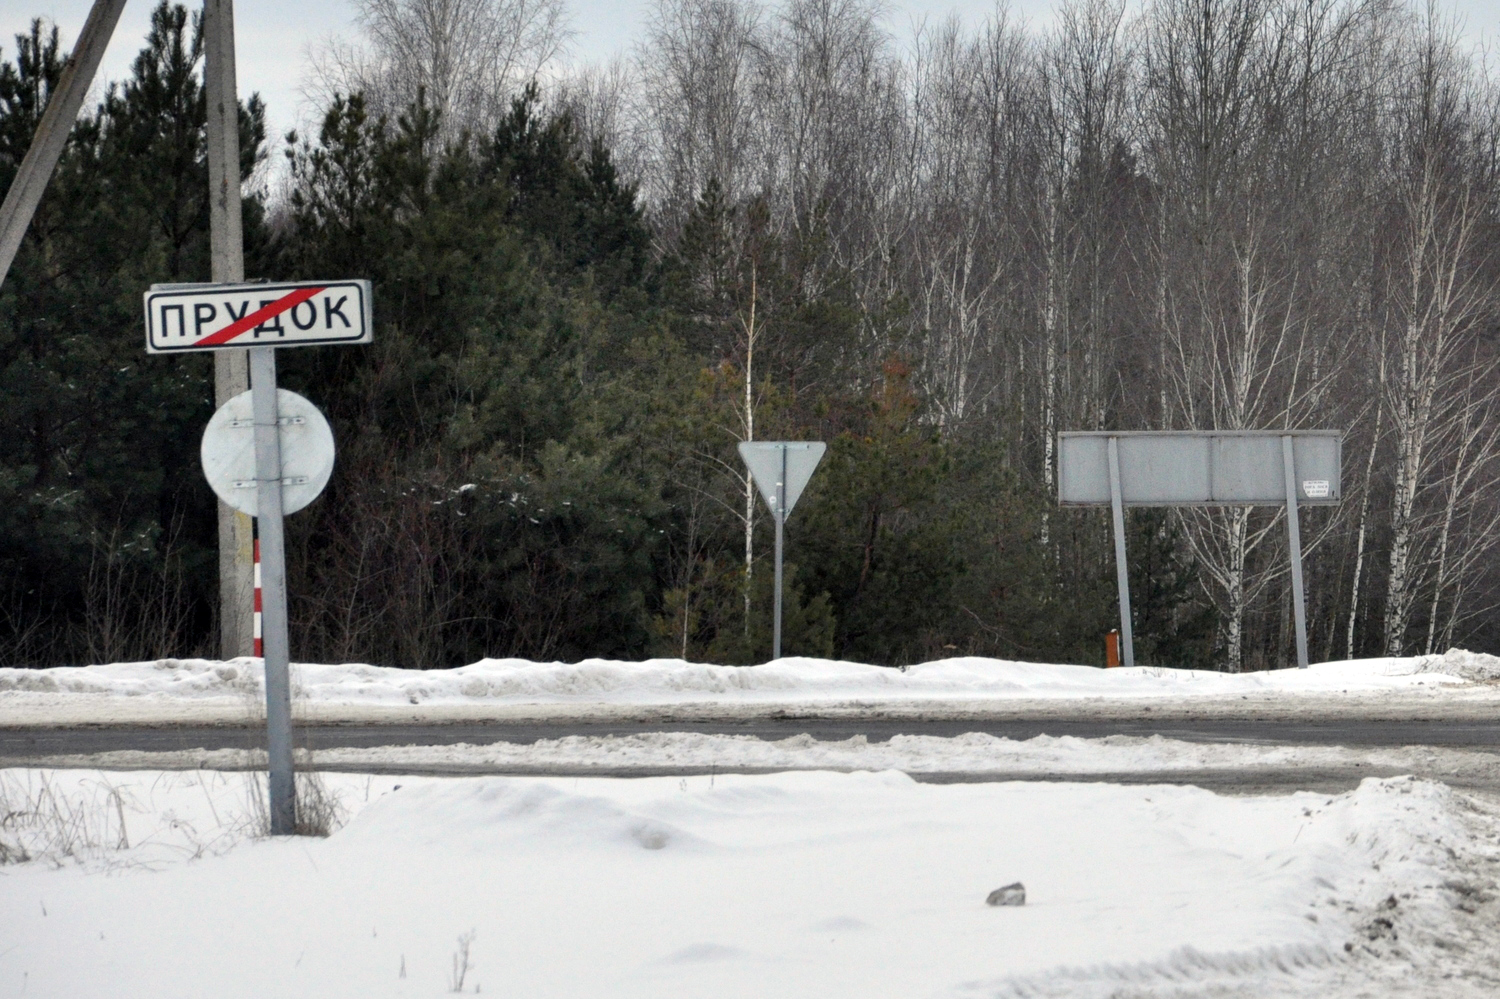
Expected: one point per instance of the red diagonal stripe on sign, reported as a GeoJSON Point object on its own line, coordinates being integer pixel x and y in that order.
{"type": "Point", "coordinates": [259, 316]}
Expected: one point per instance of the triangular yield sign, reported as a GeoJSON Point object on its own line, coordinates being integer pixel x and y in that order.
{"type": "Point", "coordinates": [767, 460]}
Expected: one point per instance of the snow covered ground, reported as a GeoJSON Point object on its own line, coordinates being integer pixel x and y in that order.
{"type": "Point", "coordinates": [841, 877]}
{"type": "Point", "coordinates": [196, 690]}
{"type": "Point", "coordinates": [807, 883]}
{"type": "Point", "coordinates": [811, 884]}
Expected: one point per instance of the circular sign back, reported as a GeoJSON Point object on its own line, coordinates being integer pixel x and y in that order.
{"type": "Point", "coordinates": [228, 452]}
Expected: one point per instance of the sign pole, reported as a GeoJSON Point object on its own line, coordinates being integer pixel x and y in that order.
{"type": "Point", "coordinates": [1122, 573]}
{"type": "Point", "coordinates": [227, 262]}
{"type": "Point", "coordinates": [52, 132]}
{"type": "Point", "coordinates": [780, 530]}
{"type": "Point", "coordinates": [1294, 540]}
{"type": "Point", "coordinates": [780, 469]}
{"type": "Point", "coordinates": [283, 799]}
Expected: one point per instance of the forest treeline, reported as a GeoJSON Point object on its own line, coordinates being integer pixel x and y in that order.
{"type": "Point", "coordinates": [777, 222]}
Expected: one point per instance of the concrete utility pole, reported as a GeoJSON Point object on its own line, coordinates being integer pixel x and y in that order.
{"type": "Point", "coordinates": [52, 133]}
{"type": "Point", "coordinates": [231, 367]}
{"type": "Point", "coordinates": [231, 377]}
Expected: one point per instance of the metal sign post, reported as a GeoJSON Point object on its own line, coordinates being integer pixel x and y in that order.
{"type": "Point", "coordinates": [780, 540]}
{"type": "Point", "coordinates": [781, 469]}
{"type": "Point", "coordinates": [1288, 468]}
{"type": "Point", "coordinates": [183, 318]}
{"type": "Point", "coordinates": [250, 437]}
{"type": "Point", "coordinates": [275, 643]}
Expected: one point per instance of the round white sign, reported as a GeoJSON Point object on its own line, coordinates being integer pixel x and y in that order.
{"type": "Point", "coordinates": [228, 452]}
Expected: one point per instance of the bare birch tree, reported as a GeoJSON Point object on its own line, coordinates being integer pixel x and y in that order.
{"type": "Point", "coordinates": [466, 58]}
{"type": "Point", "coordinates": [1440, 300]}
{"type": "Point", "coordinates": [697, 114]}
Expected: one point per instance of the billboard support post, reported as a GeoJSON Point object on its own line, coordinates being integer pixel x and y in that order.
{"type": "Point", "coordinates": [1122, 573]}
{"type": "Point", "coordinates": [1294, 543]}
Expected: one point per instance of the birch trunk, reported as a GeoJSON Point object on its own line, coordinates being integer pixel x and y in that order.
{"type": "Point", "coordinates": [749, 436]}
{"type": "Point", "coordinates": [1049, 374]}
{"type": "Point", "coordinates": [1359, 542]}
{"type": "Point", "coordinates": [1234, 625]}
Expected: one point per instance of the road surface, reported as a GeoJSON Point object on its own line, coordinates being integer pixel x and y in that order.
{"type": "Point", "coordinates": [16, 743]}
{"type": "Point", "coordinates": [31, 745]}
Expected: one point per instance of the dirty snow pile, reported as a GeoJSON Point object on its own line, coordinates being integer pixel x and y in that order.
{"type": "Point", "coordinates": [971, 753]}
{"type": "Point", "coordinates": [184, 682]}
{"type": "Point", "coordinates": [974, 753]}
{"type": "Point", "coordinates": [796, 885]}
{"type": "Point", "coordinates": [1460, 663]}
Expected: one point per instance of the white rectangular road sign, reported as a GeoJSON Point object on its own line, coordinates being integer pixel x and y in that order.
{"type": "Point", "coordinates": [1199, 468]}
{"type": "Point", "coordinates": [293, 314]}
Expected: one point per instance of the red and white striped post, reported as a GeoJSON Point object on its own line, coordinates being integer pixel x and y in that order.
{"type": "Point", "coordinates": [259, 651]}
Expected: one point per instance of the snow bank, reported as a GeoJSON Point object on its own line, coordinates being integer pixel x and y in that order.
{"type": "Point", "coordinates": [1460, 663]}
{"type": "Point", "coordinates": [972, 753]}
{"type": "Point", "coordinates": [662, 681]}
{"type": "Point", "coordinates": [796, 885]}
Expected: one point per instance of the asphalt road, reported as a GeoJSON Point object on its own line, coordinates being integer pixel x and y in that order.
{"type": "Point", "coordinates": [18, 743]}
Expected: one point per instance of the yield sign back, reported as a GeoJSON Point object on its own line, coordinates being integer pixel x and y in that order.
{"type": "Point", "coordinates": [768, 461]}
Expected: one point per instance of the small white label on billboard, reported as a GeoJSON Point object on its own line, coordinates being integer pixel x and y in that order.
{"type": "Point", "coordinates": [228, 452]}
{"type": "Point", "coordinates": [223, 316]}
{"type": "Point", "coordinates": [1315, 488]}
{"type": "Point", "coordinates": [766, 459]}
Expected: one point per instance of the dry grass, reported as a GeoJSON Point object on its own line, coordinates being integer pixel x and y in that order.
{"type": "Point", "coordinates": [462, 964]}
{"type": "Point", "coordinates": [320, 812]}
{"type": "Point", "coordinates": [110, 820]}
{"type": "Point", "coordinates": [41, 821]}
{"type": "Point", "coordinates": [127, 819]}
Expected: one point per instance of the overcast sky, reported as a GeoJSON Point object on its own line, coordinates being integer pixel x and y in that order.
{"type": "Point", "coordinates": [274, 36]}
